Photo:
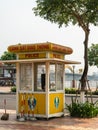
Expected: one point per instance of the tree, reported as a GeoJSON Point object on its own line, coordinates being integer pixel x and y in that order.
{"type": "Point", "coordinates": [78, 12]}
{"type": "Point", "coordinates": [8, 56]}
{"type": "Point", "coordinates": [93, 55]}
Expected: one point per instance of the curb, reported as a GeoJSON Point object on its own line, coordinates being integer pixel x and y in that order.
{"type": "Point", "coordinates": [74, 95]}
{"type": "Point", "coordinates": [7, 93]}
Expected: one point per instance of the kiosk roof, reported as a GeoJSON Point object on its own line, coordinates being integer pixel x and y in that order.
{"type": "Point", "coordinates": [40, 60]}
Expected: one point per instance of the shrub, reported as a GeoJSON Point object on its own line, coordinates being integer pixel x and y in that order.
{"type": "Point", "coordinates": [83, 110]}
{"type": "Point", "coordinates": [95, 92]}
{"type": "Point", "coordinates": [70, 90]}
{"type": "Point", "coordinates": [74, 91]}
{"type": "Point", "coordinates": [13, 89]}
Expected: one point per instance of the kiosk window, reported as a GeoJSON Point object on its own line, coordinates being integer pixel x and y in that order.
{"type": "Point", "coordinates": [26, 76]}
{"type": "Point", "coordinates": [39, 76]}
{"type": "Point", "coordinates": [56, 77]}
{"type": "Point", "coordinates": [52, 79]}
{"type": "Point", "coordinates": [59, 77]}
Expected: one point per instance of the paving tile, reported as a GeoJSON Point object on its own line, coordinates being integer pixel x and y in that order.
{"type": "Point", "coordinates": [61, 123]}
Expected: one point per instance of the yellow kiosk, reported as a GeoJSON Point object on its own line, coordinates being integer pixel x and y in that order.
{"type": "Point", "coordinates": [40, 79]}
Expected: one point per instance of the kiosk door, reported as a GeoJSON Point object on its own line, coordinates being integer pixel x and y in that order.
{"type": "Point", "coordinates": [39, 76]}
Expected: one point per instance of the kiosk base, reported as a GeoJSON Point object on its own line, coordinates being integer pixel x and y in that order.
{"type": "Point", "coordinates": [34, 105]}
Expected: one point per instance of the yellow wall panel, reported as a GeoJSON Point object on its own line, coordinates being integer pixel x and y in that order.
{"type": "Point", "coordinates": [56, 103]}
{"type": "Point", "coordinates": [32, 103]}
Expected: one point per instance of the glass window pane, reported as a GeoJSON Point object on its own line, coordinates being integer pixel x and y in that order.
{"type": "Point", "coordinates": [59, 77]}
{"type": "Point", "coordinates": [52, 77]}
{"type": "Point", "coordinates": [26, 76]}
{"type": "Point", "coordinates": [39, 76]}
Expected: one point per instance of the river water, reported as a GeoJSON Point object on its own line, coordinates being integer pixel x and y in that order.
{"type": "Point", "coordinates": [92, 84]}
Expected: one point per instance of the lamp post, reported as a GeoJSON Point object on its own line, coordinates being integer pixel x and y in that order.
{"type": "Point", "coordinates": [73, 81]}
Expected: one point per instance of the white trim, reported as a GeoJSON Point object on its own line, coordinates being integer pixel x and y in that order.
{"type": "Point", "coordinates": [33, 77]}
{"type": "Point", "coordinates": [51, 92]}
{"type": "Point", "coordinates": [17, 86]}
{"type": "Point", "coordinates": [63, 86]}
{"type": "Point", "coordinates": [50, 115]}
{"type": "Point", "coordinates": [56, 114]}
{"type": "Point", "coordinates": [55, 76]}
{"type": "Point", "coordinates": [41, 60]}
{"type": "Point", "coordinates": [47, 88]}
{"type": "Point", "coordinates": [47, 54]}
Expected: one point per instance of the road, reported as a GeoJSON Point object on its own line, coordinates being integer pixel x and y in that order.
{"type": "Point", "coordinates": [11, 100]}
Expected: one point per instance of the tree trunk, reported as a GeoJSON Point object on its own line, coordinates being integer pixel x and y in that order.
{"type": "Point", "coordinates": [85, 72]}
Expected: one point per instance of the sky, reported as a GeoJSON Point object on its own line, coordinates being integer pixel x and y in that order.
{"type": "Point", "coordinates": [18, 24]}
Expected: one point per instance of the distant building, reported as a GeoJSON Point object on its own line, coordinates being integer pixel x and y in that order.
{"type": "Point", "coordinates": [7, 75]}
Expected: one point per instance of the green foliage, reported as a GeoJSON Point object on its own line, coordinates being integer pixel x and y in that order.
{"type": "Point", "coordinates": [70, 90]}
{"type": "Point", "coordinates": [13, 89]}
{"type": "Point", "coordinates": [95, 92]}
{"type": "Point", "coordinates": [93, 55]}
{"type": "Point", "coordinates": [8, 56]}
{"type": "Point", "coordinates": [74, 91]}
{"type": "Point", "coordinates": [82, 110]}
{"type": "Point", "coordinates": [79, 12]}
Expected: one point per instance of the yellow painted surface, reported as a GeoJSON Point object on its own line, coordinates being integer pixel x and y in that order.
{"type": "Point", "coordinates": [56, 55]}
{"type": "Point", "coordinates": [41, 103]}
{"type": "Point", "coordinates": [38, 99]}
{"type": "Point", "coordinates": [40, 55]}
{"type": "Point", "coordinates": [56, 103]}
{"type": "Point", "coordinates": [47, 46]}
{"type": "Point", "coordinates": [32, 55]}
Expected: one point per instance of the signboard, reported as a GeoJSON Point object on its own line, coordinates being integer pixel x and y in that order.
{"type": "Point", "coordinates": [40, 55]}
{"type": "Point", "coordinates": [57, 55]}
{"type": "Point", "coordinates": [40, 47]}
{"type": "Point", "coordinates": [32, 55]}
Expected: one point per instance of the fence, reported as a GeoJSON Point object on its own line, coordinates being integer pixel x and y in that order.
{"type": "Point", "coordinates": [92, 84]}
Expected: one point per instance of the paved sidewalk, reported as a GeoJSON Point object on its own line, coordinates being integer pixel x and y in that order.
{"type": "Point", "coordinates": [61, 123]}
